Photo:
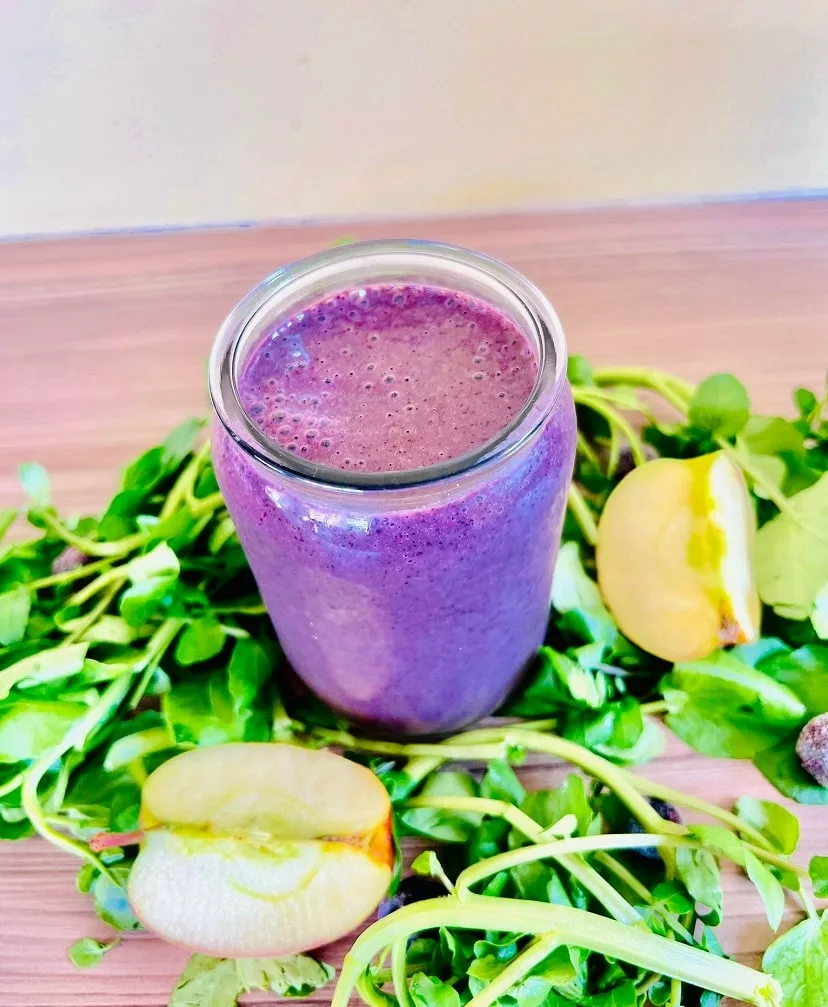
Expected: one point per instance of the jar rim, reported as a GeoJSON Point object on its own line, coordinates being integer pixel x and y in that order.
{"type": "Point", "coordinates": [397, 256]}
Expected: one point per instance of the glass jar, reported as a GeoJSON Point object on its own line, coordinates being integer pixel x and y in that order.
{"type": "Point", "coordinates": [410, 601]}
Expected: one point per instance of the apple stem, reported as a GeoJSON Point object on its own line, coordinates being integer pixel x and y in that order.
{"type": "Point", "coordinates": [106, 840]}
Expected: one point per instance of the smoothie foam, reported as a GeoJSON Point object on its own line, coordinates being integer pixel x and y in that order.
{"type": "Point", "coordinates": [389, 378]}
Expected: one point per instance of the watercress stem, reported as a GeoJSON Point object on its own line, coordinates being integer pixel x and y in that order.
{"type": "Point", "coordinates": [111, 698]}
{"type": "Point", "coordinates": [183, 486]}
{"type": "Point", "coordinates": [555, 850]}
{"type": "Point", "coordinates": [618, 780]}
{"type": "Point", "coordinates": [582, 929]}
{"type": "Point", "coordinates": [579, 509]}
{"type": "Point", "coordinates": [78, 573]}
{"type": "Point", "coordinates": [92, 547]}
{"type": "Point", "coordinates": [90, 618]}
{"type": "Point", "coordinates": [398, 972]}
{"type": "Point", "coordinates": [616, 421]}
{"type": "Point", "coordinates": [741, 459]}
{"type": "Point", "coordinates": [591, 880]}
{"type": "Point", "coordinates": [673, 390]}
{"type": "Point", "coordinates": [665, 793]}
{"type": "Point", "coordinates": [631, 881]}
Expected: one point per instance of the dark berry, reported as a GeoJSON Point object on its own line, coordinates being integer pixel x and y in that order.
{"type": "Point", "coordinates": [70, 559]}
{"type": "Point", "coordinates": [664, 810]}
{"type": "Point", "coordinates": [812, 748]}
{"type": "Point", "coordinates": [626, 462]}
{"type": "Point", "coordinates": [413, 889]}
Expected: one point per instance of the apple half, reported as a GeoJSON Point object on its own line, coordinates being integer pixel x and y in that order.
{"type": "Point", "coordinates": [259, 850]}
{"type": "Point", "coordinates": [674, 557]}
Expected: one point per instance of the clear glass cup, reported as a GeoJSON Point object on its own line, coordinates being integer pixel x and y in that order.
{"type": "Point", "coordinates": [410, 601]}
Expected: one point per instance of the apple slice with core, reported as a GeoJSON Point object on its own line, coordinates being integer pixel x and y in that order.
{"type": "Point", "coordinates": [258, 850]}
{"type": "Point", "coordinates": [674, 557]}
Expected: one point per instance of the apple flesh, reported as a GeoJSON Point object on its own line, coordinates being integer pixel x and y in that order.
{"type": "Point", "coordinates": [259, 850]}
{"type": "Point", "coordinates": [674, 557]}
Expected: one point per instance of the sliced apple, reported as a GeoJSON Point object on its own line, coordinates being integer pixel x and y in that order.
{"type": "Point", "coordinates": [674, 557]}
{"type": "Point", "coordinates": [258, 850]}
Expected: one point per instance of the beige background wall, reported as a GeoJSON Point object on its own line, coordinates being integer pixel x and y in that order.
{"type": "Point", "coordinates": [135, 113]}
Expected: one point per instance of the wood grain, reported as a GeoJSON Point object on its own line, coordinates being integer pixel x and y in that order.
{"type": "Point", "coordinates": [103, 343]}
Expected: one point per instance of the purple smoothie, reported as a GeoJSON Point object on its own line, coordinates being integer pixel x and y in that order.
{"type": "Point", "coordinates": [413, 609]}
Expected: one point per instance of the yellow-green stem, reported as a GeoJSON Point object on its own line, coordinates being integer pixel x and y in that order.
{"type": "Point", "coordinates": [582, 929]}
{"type": "Point", "coordinates": [579, 509]}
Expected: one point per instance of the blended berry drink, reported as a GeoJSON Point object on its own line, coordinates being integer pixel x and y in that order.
{"type": "Point", "coordinates": [395, 440]}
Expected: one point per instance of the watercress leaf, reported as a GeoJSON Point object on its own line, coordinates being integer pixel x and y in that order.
{"type": "Point", "coordinates": [86, 875]}
{"type": "Point", "coordinates": [428, 864]}
{"type": "Point", "coordinates": [804, 671]}
{"type": "Point", "coordinates": [44, 666]}
{"type": "Point", "coordinates": [780, 765]}
{"type": "Point", "coordinates": [818, 870]}
{"type": "Point", "coordinates": [15, 606]}
{"type": "Point", "coordinates": [798, 960]}
{"type": "Point", "coordinates": [105, 629]}
{"type": "Point", "coordinates": [28, 727]}
{"type": "Point", "coordinates": [770, 890]}
{"type": "Point", "coordinates": [501, 784]}
{"type": "Point", "coordinates": [616, 727]}
{"type": "Point", "coordinates": [180, 442]}
{"type": "Point", "coordinates": [141, 601]}
{"type": "Point", "coordinates": [201, 640]}
{"type": "Point", "coordinates": [557, 681]}
{"type": "Point", "coordinates": [699, 870]}
{"type": "Point", "coordinates": [289, 976]}
{"type": "Point", "coordinates": [776, 823]}
{"type": "Point", "coordinates": [791, 553]}
{"type": "Point", "coordinates": [577, 598]}
{"type": "Point", "coordinates": [724, 708]}
{"type": "Point", "coordinates": [805, 401]}
{"type": "Point", "coordinates": [429, 991]}
{"type": "Point", "coordinates": [201, 712]}
{"type": "Point", "coordinates": [35, 482]}
{"type": "Point", "coordinates": [623, 995]}
{"type": "Point", "coordinates": [579, 370]}
{"type": "Point", "coordinates": [111, 902]}
{"type": "Point", "coordinates": [145, 472]}
{"type": "Point", "coordinates": [720, 404]}
{"type": "Point", "coordinates": [532, 880]}
{"type": "Point", "coordinates": [87, 952]}
{"type": "Point", "coordinates": [547, 807]}
{"type": "Point", "coordinates": [248, 670]}
{"type": "Point", "coordinates": [434, 823]}
{"type": "Point", "coordinates": [556, 892]}
{"type": "Point", "coordinates": [722, 840]}
{"type": "Point", "coordinates": [137, 745]}
{"type": "Point", "coordinates": [120, 516]}
{"type": "Point", "coordinates": [673, 896]}
{"type": "Point", "coordinates": [770, 435]}
{"type": "Point", "coordinates": [158, 562]}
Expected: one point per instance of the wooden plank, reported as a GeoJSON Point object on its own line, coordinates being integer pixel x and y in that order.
{"type": "Point", "coordinates": [103, 343]}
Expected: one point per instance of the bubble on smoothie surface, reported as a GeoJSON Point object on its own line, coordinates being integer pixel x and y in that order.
{"type": "Point", "coordinates": [430, 374]}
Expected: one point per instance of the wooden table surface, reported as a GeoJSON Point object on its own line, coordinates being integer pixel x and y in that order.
{"type": "Point", "coordinates": [103, 346]}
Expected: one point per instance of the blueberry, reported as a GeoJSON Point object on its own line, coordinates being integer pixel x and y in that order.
{"type": "Point", "coordinates": [413, 889]}
{"type": "Point", "coordinates": [664, 810]}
